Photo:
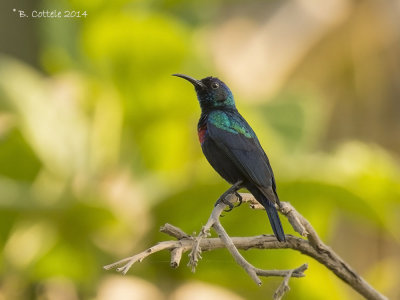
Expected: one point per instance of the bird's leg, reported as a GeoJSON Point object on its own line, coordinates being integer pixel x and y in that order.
{"type": "Point", "coordinates": [232, 190]}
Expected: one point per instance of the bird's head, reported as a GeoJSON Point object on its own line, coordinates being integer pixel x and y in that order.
{"type": "Point", "coordinates": [211, 92]}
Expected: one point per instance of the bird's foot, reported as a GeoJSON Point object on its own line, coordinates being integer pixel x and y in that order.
{"type": "Point", "coordinates": [224, 200]}
{"type": "Point", "coordinates": [240, 198]}
{"type": "Point", "coordinates": [231, 191]}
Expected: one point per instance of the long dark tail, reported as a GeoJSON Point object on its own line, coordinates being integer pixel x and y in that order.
{"type": "Point", "coordinates": [272, 214]}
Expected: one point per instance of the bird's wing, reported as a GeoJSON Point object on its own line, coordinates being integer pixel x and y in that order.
{"type": "Point", "coordinates": [236, 138]}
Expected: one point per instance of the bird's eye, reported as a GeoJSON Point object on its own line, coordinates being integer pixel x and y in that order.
{"type": "Point", "coordinates": [215, 85]}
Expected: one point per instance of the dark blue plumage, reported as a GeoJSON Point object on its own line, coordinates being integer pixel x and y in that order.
{"type": "Point", "coordinates": [232, 148]}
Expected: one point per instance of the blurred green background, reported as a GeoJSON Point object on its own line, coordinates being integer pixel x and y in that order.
{"type": "Point", "coordinates": [98, 143]}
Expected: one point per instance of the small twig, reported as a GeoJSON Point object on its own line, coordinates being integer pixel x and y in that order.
{"type": "Point", "coordinates": [139, 257]}
{"type": "Point", "coordinates": [283, 287]}
{"type": "Point", "coordinates": [176, 255]}
{"type": "Point", "coordinates": [174, 231]}
{"type": "Point", "coordinates": [195, 254]}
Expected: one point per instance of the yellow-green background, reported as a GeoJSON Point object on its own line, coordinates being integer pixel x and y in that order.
{"type": "Point", "coordinates": [98, 144]}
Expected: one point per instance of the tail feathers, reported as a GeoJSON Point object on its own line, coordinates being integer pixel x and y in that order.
{"type": "Point", "coordinates": [274, 220]}
{"type": "Point", "coordinates": [271, 211]}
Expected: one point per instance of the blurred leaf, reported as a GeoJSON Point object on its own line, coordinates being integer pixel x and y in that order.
{"type": "Point", "coordinates": [16, 155]}
{"type": "Point", "coordinates": [297, 116]}
{"type": "Point", "coordinates": [50, 122]}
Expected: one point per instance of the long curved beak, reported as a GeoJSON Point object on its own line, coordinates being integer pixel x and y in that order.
{"type": "Point", "coordinates": [195, 82]}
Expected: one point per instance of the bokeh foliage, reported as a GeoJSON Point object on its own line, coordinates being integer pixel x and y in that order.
{"type": "Point", "coordinates": [98, 148]}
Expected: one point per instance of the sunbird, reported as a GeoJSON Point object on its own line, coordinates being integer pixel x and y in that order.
{"type": "Point", "coordinates": [232, 148]}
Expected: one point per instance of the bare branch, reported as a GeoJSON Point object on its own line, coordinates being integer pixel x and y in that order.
{"type": "Point", "coordinates": [312, 247]}
{"type": "Point", "coordinates": [209, 244]}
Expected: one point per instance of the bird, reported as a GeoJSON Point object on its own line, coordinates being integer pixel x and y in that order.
{"type": "Point", "coordinates": [232, 148]}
